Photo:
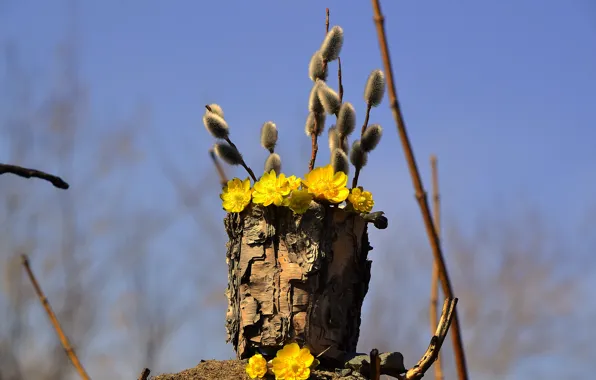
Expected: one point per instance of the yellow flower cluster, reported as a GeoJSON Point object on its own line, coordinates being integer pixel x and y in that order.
{"type": "Point", "coordinates": [290, 363]}
{"type": "Point", "coordinates": [321, 184]}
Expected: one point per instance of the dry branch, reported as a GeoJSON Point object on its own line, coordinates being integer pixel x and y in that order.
{"type": "Point", "coordinates": [48, 308]}
{"type": "Point", "coordinates": [448, 313]}
{"type": "Point", "coordinates": [420, 192]}
{"type": "Point", "coordinates": [144, 374]}
{"type": "Point", "coordinates": [434, 284]}
{"type": "Point", "coordinates": [33, 173]}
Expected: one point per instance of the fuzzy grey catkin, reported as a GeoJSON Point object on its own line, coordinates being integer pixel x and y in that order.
{"type": "Point", "coordinates": [216, 125]}
{"type": "Point", "coordinates": [332, 44]}
{"type": "Point", "coordinates": [358, 157]}
{"type": "Point", "coordinates": [216, 109]}
{"type": "Point", "coordinates": [269, 136]}
{"type": "Point", "coordinates": [329, 98]}
{"type": "Point", "coordinates": [339, 161]}
{"type": "Point", "coordinates": [228, 153]}
{"type": "Point", "coordinates": [312, 127]}
{"type": "Point", "coordinates": [371, 137]}
{"type": "Point", "coordinates": [317, 69]}
{"type": "Point", "coordinates": [273, 162]}
{"type": "Point", "coordinates": [375, 88]}
{"type": "Point", "coordinates": [334, 141]}
{"type": "Point", "coordinates": [346, 119]}
{"type": "Point", "coordinates": [314, 103]}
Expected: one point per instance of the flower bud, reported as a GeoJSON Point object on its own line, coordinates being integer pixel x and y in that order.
{"type": "Point", "coordinates": [329, 98]}
{"type": "Point", "coordinates": [273, 162]}
{"type": "Point", "coordinates": [339, 161]}
{"type": "Point", "coordinates": [358, 157]}
{"type": "Point", "coordinates": [216, 109]}
{"type": "Point", "coordinates": [346, 119]}
{"type": "Point", "coordinates": [375, 88]}
{"type": "Point", "coordinates": [269, 136]}
{"type": "Point", "coordinates": [315, 123]}
{"type": "Point", "coordinates": [334, 141]}
{"type": "Point", "coordinates": [332, 44]}
{"type": "Point", "coordinates": [317, 69]}
{"type": "Point", "coordinates": [216, 125]}
{"type": "Point", "coordinates": [228, 153]}
{"type": "Point", "coordinates": [372, 136]}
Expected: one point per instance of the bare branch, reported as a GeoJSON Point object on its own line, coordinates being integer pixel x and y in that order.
{"type": "Point", "coordinates": [144, 374]}
{"type": "Point", "coordinates": [33, 173]}
{"type": "Point", "coordinates": [417, 372]}
{"type": "Point", "coordinates": [222, 175]}
{"type": "Point", "coordinates": [433, 237]}
{"type": "Point", "coordinates": [48, 308]}
{"type": "Point", "coordinates": [434, 284]}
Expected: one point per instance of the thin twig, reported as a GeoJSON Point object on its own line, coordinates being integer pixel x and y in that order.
{"type": "Point", "coordinates": [420, 193]}
{"type": "Point", "coordinates": [32, 173]}
{"type": "Point", "coordinates": [223, 179]}
{"type": "Point", "coordinates": [434, 284]}
{"type": "Point", "coordinates": [48, 308]}
{"type": "Point", "coordinates": [448, 313]}
{"type": "Point", "coordinates": [375, 365]}
{"type": "Point", "coordinates": [340, 85]}
{"type": "Point", "coordinates": [144, 374]}
{"type": "Point", "coordinates": [314, 147]}
{"type": "Point", "coordinates": [326, 21]}
{"type": "Point", "coordinates": [364, 126]}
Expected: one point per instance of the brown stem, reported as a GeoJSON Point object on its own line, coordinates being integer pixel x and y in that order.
{"type": "Point", "coordinates": [434, 285]}
{"type": "Point", "coordinates": [340, 86]}
{"type": "Point", "coordinates": [32, 173]}
{"type": "Point", "coordinates": [223, 180]}
{"type": "Point", "coordinates": [420, 193]}
{"type": "Point", "coordinates": [366, 117]}
{"type": "Point", "coordinates": [436, 342]}
{"type": "Point", "coordinates": [314, 149]}
{"type": "Point", "coordinates": [48, 308]}
{"type": "Point", "coordinates": [326, 21]}
{"type": "Point", "coordinates": [375, 365]}
{"type": "Point", "coordinates": [144, 374]}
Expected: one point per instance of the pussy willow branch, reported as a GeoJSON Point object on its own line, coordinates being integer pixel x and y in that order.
{"type": "Point", "coordinates": [366, 117]}
{"type": "Point", "coordinates": [420, 193]}
{"type": "Point", "coordinates": [418, 371]}
{"type": "Point", "coordinates": [70, 352]}
{"type": "Point", "coordinates": [434, 283]}
{"type": "Point", "coordinates": [32, 173]}
{"type": "Point", "coordinates": [223, 179]}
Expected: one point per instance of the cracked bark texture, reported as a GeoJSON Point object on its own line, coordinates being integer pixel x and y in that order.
{"type": "Point", "coordinates": [299, 278]}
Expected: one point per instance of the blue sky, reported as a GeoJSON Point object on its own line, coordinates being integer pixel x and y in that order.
{"type": "Point", "coordinates": [503, 92]}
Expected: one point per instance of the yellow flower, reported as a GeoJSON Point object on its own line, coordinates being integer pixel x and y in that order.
{"type": "Point", "coordinates": [361, 200]}
{"type": "Point", "coordinates": [294, 182]}
{"type": "Point", "coordinates": [292, 363]}
{"type": "Point", "coordinates": [236, 195]}
{"type": "Point", "coordinates": [270, 189]}
{"type": "Point", "coordinates": [256, 367]}
{"type": "Point", "coordinates": [298, 201]}
{"type": "Point", "coordinates": [323, 183]}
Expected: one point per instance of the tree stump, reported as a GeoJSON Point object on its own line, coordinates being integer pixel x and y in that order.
{"type": "Point", "coordinates": [300, 278]}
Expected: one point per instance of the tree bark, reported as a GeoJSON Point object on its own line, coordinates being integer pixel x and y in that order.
{"type": "Point", "coordinates": [299, 278]}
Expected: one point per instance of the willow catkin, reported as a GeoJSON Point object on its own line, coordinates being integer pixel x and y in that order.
{"type": "Point", "coordinates": [371, 137]}
{"type": "Point", "coordinates": [315, 123]}
{"type": "Point", "coordinates": [339, 161]}
{"type": "Point", "coordinates": [228, 153]}
{"type": "Point", "coordinates": [317, 69]}
{"type": "Point", "coordinates": [269, 136]}
{"type": "Point", "coordinates": [346, 119]}
{"type": "Point", "coordinates": [358, 157]}
{"type": "Point", "coordinates": [273, 162]}
{"type": "Point", "coordinates": [334, 140]}
{"type": "Point", "coordinates": [375, 88]}
{"type": "Point", "coordinates": [314, 103]}
{"type": "Point", "coordinates": [331, 46]}
{"type": "Point", "coordinates": [329, 98]}
{"type": "Point", "coordinates": [216, 109]}
{"type": "Point", "coordinates": [216, 125]}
